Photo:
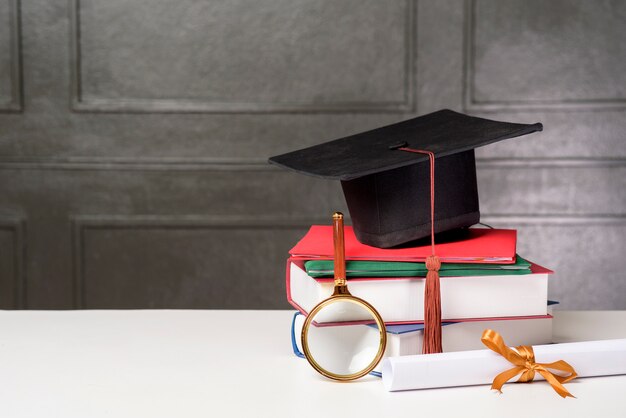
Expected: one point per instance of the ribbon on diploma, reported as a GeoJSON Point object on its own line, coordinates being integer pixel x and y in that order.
{"type": "Point", "coordinates": [524, 361]}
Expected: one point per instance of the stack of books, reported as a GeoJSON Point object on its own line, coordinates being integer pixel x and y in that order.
{"type": "Point", "coordinates": [484, 284]}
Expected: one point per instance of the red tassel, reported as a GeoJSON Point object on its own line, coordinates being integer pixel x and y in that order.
{"type": "Point", "coordinates": [432, 308]}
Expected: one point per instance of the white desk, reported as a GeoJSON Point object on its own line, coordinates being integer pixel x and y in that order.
{"type": "Point", "coordinates": [89, 364]}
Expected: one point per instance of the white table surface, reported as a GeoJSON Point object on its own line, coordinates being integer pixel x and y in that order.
{"type": "Point", "coordinates": [162, 363]}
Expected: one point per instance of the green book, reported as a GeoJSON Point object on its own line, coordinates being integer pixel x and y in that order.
{"type": "Point", "coordinates": [324, 269]}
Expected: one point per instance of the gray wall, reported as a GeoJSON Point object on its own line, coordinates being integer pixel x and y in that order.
{"type": "Point", "coordinates": [134, 135]}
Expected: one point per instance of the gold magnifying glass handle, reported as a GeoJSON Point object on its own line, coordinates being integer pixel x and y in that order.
{"type": "Point", "coordinates": [340, 255]}
{"type": "Point", "coordinates": [326, 353]}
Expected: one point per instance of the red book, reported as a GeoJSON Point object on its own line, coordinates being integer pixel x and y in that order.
{"type": "Point", "coordinates": [495, 246]}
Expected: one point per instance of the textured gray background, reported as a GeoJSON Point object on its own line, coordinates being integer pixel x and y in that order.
{"type": "Point", "coordinates": [134, 135]}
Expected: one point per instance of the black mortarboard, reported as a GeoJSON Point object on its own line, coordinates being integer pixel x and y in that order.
{"type": "Point", "coordinates": [387, 189]}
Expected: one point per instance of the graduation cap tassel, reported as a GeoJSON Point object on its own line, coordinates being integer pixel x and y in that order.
{"type": "Point", "coordinates": [432, 308]}
{"type": "Point", "coordinates": [432, 294]}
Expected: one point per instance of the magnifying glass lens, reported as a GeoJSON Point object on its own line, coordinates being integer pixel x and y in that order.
{"type": "Point", "coordinates": [343, 338]}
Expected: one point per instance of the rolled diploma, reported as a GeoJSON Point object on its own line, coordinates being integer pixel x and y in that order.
{"type": "Point", "coordinates": [464, 368]}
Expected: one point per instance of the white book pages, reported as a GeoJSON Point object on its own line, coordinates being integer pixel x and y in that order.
{"type": "Point", "coordinates": [464, 368]}
{"type": "Point", "coordinates": [464, 336]}
{"type": "Point", "coordinates": [457, 337]}
{"type": "Point", "coordinates": [461, 297]}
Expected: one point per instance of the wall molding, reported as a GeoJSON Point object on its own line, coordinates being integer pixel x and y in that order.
{"type": "Point", "coordinates": [556, 219]}
{"type": "Point", "coordinates": [80, 103]}
{"type": "Point", "coordinates": [471, 104]}
{"type": "Point", "coordinates": [16, 102]}
{"type": "Point", "coordinates": [109, 221]}
{"type": "Point", "coordinates": [83, 223]}
{"type": "Point", "coordinates": [261, 164]}
{"type": "Point", "coordinates": [135, 164]}
{"type": "Point", "coordinates": [17, 227]}
{"type": "Point", "coordinates": [549, 163]}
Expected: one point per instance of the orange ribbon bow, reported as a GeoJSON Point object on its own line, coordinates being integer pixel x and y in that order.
{"type": "Point", "coordinates": [524, 361]}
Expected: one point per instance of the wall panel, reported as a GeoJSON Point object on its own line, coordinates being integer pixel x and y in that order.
{"type": "Point", "coordinates": [570, 189]}
{"type": "Point", "coordinates": [172, 263]}
{"type": "Point", "coordinates": [10, 57]}
{"type": "Point", "coordinates": [225, 56]}
{"type": "Point", "coordinates": [533, 54]}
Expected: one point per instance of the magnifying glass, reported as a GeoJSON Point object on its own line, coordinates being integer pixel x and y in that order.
{"type": "Point", "coordinates": [343, 337]}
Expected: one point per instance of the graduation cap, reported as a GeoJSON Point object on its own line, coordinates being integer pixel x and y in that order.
{"type": "Point", "coordinates": [387, 188]}
{"type": "Point", "coordinates": [395, 195]}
